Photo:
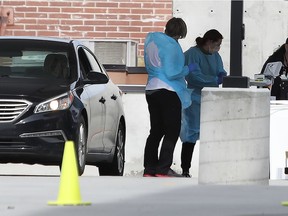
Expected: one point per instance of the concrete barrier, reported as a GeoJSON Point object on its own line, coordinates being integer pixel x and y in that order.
{"type": "Point", "coordinates": [234, 136]}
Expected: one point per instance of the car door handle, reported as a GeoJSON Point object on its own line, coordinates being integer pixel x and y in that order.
{"type": "Point", "coordinates": [114, 97]}
{"type": "Point", "coordinates": [102, 100]}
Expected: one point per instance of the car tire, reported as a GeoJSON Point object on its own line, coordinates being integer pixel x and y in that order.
{"type": "Point", "coordinates": [81, 146]}
{"type": "Point", "coordinates": [116, 168]}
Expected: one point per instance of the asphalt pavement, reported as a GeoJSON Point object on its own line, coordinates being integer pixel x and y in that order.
{"type": "Point", "coordinates": [28, 195]}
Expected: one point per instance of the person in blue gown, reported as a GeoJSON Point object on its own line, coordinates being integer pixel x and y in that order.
{"type": "Point", "coordinates": [210, 73]}
{"type": "Point", "coordinates": [166, 94]}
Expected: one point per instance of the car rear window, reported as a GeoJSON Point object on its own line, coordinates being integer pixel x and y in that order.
{"type": "Point", "coordinates": [35, 59]}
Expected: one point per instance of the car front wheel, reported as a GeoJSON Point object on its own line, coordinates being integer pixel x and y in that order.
{"type": "Point", "coordinates": [80, 146]}
{"type": "Point", "coordinates": [116, 168]}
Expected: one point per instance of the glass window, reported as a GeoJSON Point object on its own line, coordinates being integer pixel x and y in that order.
{"type": "Point", "coordinates": [93, 62]}
{"type": "Point", "coordinates": [34, 59]}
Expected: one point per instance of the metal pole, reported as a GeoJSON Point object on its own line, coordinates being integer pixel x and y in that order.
{"type": "Point", "coordinates": [236, 80]}
{"type": "Point", "coordinates": [236, 37]}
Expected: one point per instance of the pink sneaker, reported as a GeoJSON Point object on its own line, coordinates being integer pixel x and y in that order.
{"type": "Point", "coordinates": [148, 175]}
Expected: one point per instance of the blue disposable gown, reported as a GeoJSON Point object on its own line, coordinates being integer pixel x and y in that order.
{"type": "Point", "coordinates": [210, 65]}
{"type": "Point", "coordinates": [172, 70]}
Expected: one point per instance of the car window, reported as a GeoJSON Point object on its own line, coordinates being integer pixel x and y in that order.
{"type": "Point", "coordinates": [34, 59]}
{"type": "Point", "coordinates": [88, 62]}
{"type": "Point", "coordinates": [94, 64]}
{"type": "Point", "coordinates": [85, 66]}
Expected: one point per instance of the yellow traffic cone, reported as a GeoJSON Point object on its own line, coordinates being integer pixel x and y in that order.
{"type": "Point", "coordinates": [69, 192]}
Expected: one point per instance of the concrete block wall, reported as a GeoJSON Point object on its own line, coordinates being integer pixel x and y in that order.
{"type": "Point", "coordinates": [88, 19]}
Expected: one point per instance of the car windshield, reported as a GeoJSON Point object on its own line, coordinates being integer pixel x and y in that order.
{"type": "Point", "coordinates": [35, 59]}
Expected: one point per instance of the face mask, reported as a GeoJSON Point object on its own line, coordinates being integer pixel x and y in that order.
{"type": "Point", "coordinates": [214, 49]}
{"type": "Point", "coordinates": [217, 48]}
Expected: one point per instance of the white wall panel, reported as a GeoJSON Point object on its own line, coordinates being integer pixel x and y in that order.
{"type": "Point", "coordinates": [266, 25]}
{"type": "Point", "coordinates": [266, 29]}
{"type": "Point", "coordinates": [201, 16]}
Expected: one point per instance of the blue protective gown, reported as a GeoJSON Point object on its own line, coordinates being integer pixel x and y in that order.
{"type": "Point", "coordinates": [172, 70]}
{"type": "Point", "coordinates": [210, 65]}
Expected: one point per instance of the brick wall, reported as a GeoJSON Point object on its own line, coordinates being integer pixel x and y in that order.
{"type": "Point", "coordinates": [109, 19]}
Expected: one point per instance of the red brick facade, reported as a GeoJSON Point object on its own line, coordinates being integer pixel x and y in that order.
{"type": "Point", "coordinates": [107, 19]}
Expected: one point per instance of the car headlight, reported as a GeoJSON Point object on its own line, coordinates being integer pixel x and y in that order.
{"type": "Point", "coordinates": [61, 102]}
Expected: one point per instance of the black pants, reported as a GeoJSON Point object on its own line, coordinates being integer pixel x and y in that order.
{"type": "Point", "coordinates": [276, 89]}
{"type": "Point", "coordinates": [165, 121]}
{"type": "Point", "coordinates": [186, 156]}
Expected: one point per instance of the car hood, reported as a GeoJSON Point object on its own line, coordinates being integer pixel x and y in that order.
{"type": "Point", "coordinates": [31, 89]}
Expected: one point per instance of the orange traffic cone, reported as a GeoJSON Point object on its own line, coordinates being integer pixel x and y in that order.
{"type": "Point", "coordinates": [69, 192]}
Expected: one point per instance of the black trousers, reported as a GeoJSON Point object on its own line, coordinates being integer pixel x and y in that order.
{"type": "Point", "coordinates": [165, 121]}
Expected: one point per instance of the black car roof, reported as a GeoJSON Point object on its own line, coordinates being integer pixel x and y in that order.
{"type": "Point", "coordinates": [52, 39]}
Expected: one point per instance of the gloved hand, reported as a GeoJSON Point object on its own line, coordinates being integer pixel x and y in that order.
{"type": "Point", "coordinates": [192, 67]}
{"type": "Point", "coordinates": [220, 78]}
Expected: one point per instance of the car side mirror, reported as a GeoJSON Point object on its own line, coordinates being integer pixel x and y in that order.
{"type": "Point", "coordinates": [96, 78]}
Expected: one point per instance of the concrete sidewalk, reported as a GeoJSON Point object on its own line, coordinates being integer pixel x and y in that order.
{"type": "Point", "coordinates": [138, 196]}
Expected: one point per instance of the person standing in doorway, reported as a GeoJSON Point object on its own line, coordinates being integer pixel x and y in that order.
{"type": "Point", "coordinates": [166, 95]}
{"type": "Point", "coordinates": [209, 74]}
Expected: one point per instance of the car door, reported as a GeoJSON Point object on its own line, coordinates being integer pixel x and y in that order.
{"type": "Point", "coordinates": [96, 96]}
{"type": "Point", "coordinates": [109, 103]}
{"type": "Point", "coordinates": [112, 116]}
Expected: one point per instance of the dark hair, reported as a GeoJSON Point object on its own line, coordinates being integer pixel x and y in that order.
{"type": "Point", "coordinates": [280, 52]}
{"type": "Point", "coordinates": [212, 34]}
{"type": "Point", "coordinates": [176, 27]}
